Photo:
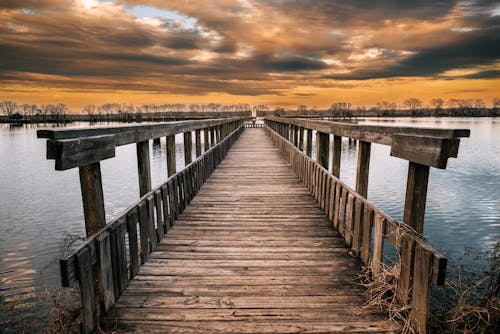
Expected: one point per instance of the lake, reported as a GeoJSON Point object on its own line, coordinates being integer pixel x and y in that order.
{"type": "Point", "coordinates": [41, 210]}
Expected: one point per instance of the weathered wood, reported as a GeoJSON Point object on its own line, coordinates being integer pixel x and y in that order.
{"type": "Point", "coordinates": [227, 264]}
{"type": "Point", "coordinates": [416, 196]}
{"type": "Point", "coordinates": [106, 283]}
{"type": "Point", "coordinates": [171, 164]}
{"type": "Point", "coordinates": [368, 216]}
{"type": "Point", "coordinates": [428, 151]}
{"type": "Point", "coordinates": [405, 282]}
{"type": "Point", "coordinates": [363, 168]}
{"type": "Point", "coordinates": [301, 138]}
{"type": "Point", "coordinates": [92, 197]}
{"type": "Point", "coordinates": [119, 256]}
{"type": "Point", "coordinates": [143, 213]}
{"type": "Point", "coordinates": [84, 270]}
{"type": "Point", "coordinates": [144, 167]}
{"type": "Point", "coordinates": [188, 148]}
{"type": "Point", "coordinates": [71, 153]}
{"type": "Point", "coordinates": [309, 142]}
{"type": "Point", "coordinates": [160, 217]}
{"type": "Point", "coordinates": [421, 289]}
{"type": "Point", "coordinates": [198, 142]}
{"type": "Point", "coordinates": [206, 139]}
{"type": "Point", "coordinates": [133, 242]}
{"type": "Point", "coordinates": [336, 154]}
{"type": "Point", "coordinates": [378, 244]}
{"type": "Point", "coordinates": [212, 137]}
{"type": "Point", "coordinates": [322, 147]}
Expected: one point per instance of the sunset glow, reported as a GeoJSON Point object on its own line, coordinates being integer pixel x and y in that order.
{"type": "Point", "coordinates": [277, 52]}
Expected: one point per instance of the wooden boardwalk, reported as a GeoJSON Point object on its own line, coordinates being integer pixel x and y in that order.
{"type": "Point", "coordinates": [252, 253]}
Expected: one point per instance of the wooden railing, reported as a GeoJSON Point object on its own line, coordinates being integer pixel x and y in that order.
{"type": "Point", "coordinates": [112, 253]}
{"type": "Point", "coordinates": [364, 226]}
{"type": "Point", "coordinates": [253, 125]}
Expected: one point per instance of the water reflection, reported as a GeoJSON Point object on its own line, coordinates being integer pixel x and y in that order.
{"type": "Point", "coordinates": [40, 208]}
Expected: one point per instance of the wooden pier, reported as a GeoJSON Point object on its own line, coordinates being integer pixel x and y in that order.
{"type": "Point", "coordinates": [253, 236]}
{"type": "Point", "coordinates": [252, 253]}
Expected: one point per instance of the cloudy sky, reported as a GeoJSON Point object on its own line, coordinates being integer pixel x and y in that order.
{"type": "Point", "coordinates": [278, 52]}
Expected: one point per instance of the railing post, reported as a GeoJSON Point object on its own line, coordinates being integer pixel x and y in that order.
{"type": "Point", "coordinates": [416, 195]}
{"type": "Point", "coordinates": [144, 167]}
{"type": "Point", "coordinates": [309, 142]}
{"type": "Point", "coordinates": [206, 138]}
{"type": "Point", "coordinates": [363, 168]}
{"type": "Point", "coordinates": [336, 151]}
{"type": "Point", "coordinates": [92, 197]}
{"type": "Point", "coordinates": [198, 142]}
{"type": "Point", "coordinates": [212, 136]}
{"type": "Point", "coordinates": [301, 138]}
{"type": "Point", "coordinates": [322, 146]}
{"type": "Point", "coordinates": [217, 133]}
{"type": "Point", "coordinates": [171, 164]}
{"type": "Point", "coordinates": [188, 148]}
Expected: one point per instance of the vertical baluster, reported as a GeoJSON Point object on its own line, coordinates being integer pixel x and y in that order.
{"type": "Point", "coordinates": [171, 164]}
{"type": "Point", "coordinates": [363, 168]}
{"type": "Point", "coordinates": [144, 167]}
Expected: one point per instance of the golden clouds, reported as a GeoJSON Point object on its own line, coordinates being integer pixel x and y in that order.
{"type": "Point", "coordinates": [277, 52]}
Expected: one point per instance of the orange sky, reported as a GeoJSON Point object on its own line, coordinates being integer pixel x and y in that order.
{"type": "Point", "coordinates": [281, 53]}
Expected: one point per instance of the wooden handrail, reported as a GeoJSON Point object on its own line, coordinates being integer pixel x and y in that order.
{"type": "Point", "coordinates": [102, 265]}
{"type": "Point", "coordinates": [422, 147]}
{"type": "Point", "coordinates": [363, 225]}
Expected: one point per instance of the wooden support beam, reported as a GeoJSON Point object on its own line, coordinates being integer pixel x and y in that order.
{"type": "Point", "coordinates": [188, 148]}
{"type": "Point", "coordinates": [322, 146]}
{"type": "Point", "coordinates": [309, 142]}
{"type": "Point", "coordinates": [198, 142]}
{"type": "Point", "coordinates": [336, 154]}
{"type": "Point", "coordinates": [301, 138]}
{"type": "Point", "coordinates": [363, 168]}
{"type": "Point", "coordinates": [212, 137]}
{"type": "Point", "coordinates": [92, 197]}
{"type": "Point", "coordinates": [416, 195]}
{"type": "Point", "coordinates": [206, 138]}
{"type": "Point", "coordinates": [144, 167]}
{"type": "Point", "coordinates": [171, 165]}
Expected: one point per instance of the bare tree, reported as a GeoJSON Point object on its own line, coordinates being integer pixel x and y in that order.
{"type": "Point", "coordinates": [8, 108]}
{"type": "Point", "coordinates": [437, 103]}
{"type": "Point", "coordinates": [496, 102]}
{"type": "Point", "coordinates": [413, 104]}
{"type": "Point", "coordinates": [302, 108]}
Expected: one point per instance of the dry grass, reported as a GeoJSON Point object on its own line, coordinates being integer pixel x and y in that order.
{"type": "Point", "coordinates": [467, 304]}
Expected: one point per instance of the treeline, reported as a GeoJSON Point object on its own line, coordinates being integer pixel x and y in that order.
{"type": "Point", "coordinates": [128, 112]}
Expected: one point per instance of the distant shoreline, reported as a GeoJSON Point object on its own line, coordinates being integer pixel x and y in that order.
{"type": "Point", "coordinates": [178, 116]}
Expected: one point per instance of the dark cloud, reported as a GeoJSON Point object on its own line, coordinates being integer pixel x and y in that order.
{"type": "Point", "coordinates": [484, 75]}
{"type": "Point", "coordinates": [239, 47]}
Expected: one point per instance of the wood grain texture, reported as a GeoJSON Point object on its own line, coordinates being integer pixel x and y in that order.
{"type": "Point", "coordinates": [252, 253]}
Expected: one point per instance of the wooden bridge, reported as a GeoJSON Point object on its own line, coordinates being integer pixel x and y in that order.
{"type": "Point", "coordinates": [271, 243]}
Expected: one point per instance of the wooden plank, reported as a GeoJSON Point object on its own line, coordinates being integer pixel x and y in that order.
{"type": "Point", "coordinates": [160, 217]}
{"type": "Point", "coordinates": [425, 150]}
{"type": "Point", "coordinates": [206, 139]}
{"type": "Point", "coordinates": [363, 168]}
{"type": "Point", "coordinates": [309, 142]}
{"type": "Point", "coordinates": [142, 210]}
{"type": "Point", "coordinates": [198, 142]}
{"type": "Point", "coordinates": [92, 197]}
{"type": "Point", "coordinates": [416, 196]}
{"type": "Point", "coordinates": [407, 258]}
{"type": "Point", "coordinates": [322, 148]}
{"type": "Point", "coordinates": [188, 148]}
{"type": "Point", "coordinates": [350, 217]}
{"type": "Point", "coordinates": [85, 278]}
{"type": "Point", "coordinates": [151, 223]}
{"type": "Point", "coordinates": [421, 289]}
{"type": "Point", "coordinates": [144, 167]}
{"type": "Point", "coordinates": [336, 155]}
{"type": "Point", "coordinates": [71, 153]}
{"type": "Point", "coordinates": [171, 164]}
{"type": "Point", "coordinates": [133, 242]}
{"type": "Point", "coordinates": [357, 229]}
{"type": "Point", "coordinates": [368, 216]}
{"type": "Point", "coordinates": [106, 283]}
{"type": "Point", "coordinates": [378, 243]}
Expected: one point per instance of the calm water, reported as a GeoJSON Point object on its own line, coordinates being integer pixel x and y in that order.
{"type": "Point", "coordinates": [40, 208]}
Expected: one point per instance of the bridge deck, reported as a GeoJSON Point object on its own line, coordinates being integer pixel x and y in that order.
{"type": "Point", "coordinates": [252, 253]}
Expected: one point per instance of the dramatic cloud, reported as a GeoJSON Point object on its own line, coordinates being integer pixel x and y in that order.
{"type": "Point", "coordinates": [294, 48]}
